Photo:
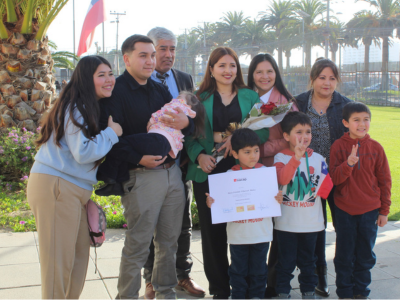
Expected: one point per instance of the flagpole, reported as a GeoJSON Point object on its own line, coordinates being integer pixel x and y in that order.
{"type": "Point", "coordinates": [73, 27]}
{"type": "Point", "coordinates": [104, 50]}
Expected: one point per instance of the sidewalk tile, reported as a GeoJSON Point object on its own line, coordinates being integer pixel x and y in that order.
{"type": "Point", "coordinates": [91, 275]}
{"type": "Point", "coordinates": [17, 239]}
{"type": "Point", "coordinates": [112, 249]}
{"type": "Point", "coordinates": [94, 289]}
{"type": "Point", "coordinates": [18, 255]}
{"type": "Point", "coordinates": [31, 292]}
{"type": "Point", "coordinates": [385, 289]}
{"type": "Point", "coordinates": [108, 267]}
{"type": "Point", "coordinates": [22, 275]}
{"type": "Point", "coordinates": [111, 286]}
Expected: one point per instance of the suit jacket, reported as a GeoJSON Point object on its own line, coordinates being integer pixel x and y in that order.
{"type": "Point", "coordinates": [183, 80]}
{"type": "Point", "coordinates": [247, 98]}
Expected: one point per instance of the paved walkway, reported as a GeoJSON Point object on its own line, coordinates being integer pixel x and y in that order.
{"type": "Point", "coordinates": [20, 278]}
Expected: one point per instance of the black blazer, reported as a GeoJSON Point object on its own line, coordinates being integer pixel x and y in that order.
{"type": "Point", "coordinates": [334, 112]}
{"type": "Point", "coordinates": [184, 81]}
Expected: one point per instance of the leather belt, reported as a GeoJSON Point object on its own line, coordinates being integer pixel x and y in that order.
{"type": "Point", "coordinates": [163, 166]}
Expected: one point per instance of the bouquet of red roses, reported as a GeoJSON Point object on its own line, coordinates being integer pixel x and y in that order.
{"type": "Point", "coordinates": [265, 115]}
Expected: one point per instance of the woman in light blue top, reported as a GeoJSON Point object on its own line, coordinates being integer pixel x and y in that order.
{"type": "Point", "coordinates": [61, 179]}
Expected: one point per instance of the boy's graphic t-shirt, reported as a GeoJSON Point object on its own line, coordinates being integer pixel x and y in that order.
{"type": "Point", "coordinates": [252, 231]}
{"type": "Point", "coordinates": [301, 207]}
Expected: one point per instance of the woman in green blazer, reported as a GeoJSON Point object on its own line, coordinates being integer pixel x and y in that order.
{"type": "Point", "coordinates": [226, 99]}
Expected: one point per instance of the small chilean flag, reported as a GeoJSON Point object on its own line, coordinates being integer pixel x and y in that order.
{"type": "Point", "coordinates": [96, 15]}
{"type": "Point", "coordinates": [326, 184]}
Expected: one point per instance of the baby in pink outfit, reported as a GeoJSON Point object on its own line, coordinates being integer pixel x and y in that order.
{"type": "Point", "coordinates": [160, 140]}
{"type": "Point", "coordinates": [174, 136]}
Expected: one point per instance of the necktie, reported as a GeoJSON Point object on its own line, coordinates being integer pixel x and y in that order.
{"type": "Point", "coordinates": [163, 79]}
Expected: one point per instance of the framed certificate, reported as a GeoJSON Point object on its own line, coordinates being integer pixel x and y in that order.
{"type": "Point", "coordinates": [243, 195]}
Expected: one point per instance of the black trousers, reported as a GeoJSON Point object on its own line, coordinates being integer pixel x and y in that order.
{"type": "Point", "coordinates": [214, 245]}
{"type": "Point", "coordinates": [272, 260]}
{"type": "Point", "coordinates": [184, 260]}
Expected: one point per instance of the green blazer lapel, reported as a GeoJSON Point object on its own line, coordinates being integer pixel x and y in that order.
{"type": "Point", "coordinates": [208, 105]}
{"type": "Point", "coordinates": [244, 103]}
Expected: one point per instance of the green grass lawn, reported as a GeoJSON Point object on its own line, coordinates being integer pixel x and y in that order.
{"type": "Point", "coordinates": [385, 128]}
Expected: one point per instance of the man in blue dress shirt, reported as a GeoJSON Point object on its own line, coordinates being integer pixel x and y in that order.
{"type": "Point", "coordinates": [176, 81]}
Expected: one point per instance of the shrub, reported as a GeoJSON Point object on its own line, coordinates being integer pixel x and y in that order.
{"type": "Point", "coordinates": [17, 151]}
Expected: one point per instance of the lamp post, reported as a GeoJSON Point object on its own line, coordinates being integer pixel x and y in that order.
{"type": "Point", "coordinates": [327, 31]}
{"type": "Point", "coordinates": [204, 56]}
{"type": "Point", "coordinates": [73, 26]}
{"type": "Point", "coordinates": [340, 41]}
{"type": "Point", "coordinates": [303, 15]}
{"type": "Point", "coordinates": [116, 48]}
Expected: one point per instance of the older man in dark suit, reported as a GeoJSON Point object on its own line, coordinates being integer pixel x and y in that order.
{"type": "Point", "coordinates": [176, 81]}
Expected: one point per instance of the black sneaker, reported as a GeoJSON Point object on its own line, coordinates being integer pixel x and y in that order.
{"type": "Point", "coordinates": [270, 292]}
{"type": "Point", "coordinates": [360, 297]}
{"type": "Point", "coordinates": [220, 296]}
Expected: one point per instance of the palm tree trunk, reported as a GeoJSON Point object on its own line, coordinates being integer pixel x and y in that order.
{"type": "Point", "coordinates": [367, 45]}
{"type": "Point", "coordinates": [385, 60]}
{"type": "Point", "coordinates": [333, 56]}
{"type": "Point", "coordinates": [280, 60]}
{"type": "Point", "coordinates": [194, 66]}
{"type": "Point", "coordinates": [308, 55]}
{"type": "Point", "coordinates": [287, 54]}
{"type": "Point", "coordinates": [385, 53]}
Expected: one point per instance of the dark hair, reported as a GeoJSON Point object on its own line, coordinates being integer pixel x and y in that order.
{"type": "Point", "coordinates": [129, 44]}
{"type": "Point", "coordinates": [78, 94]}
{"type": "Point", "coordinates": [198, 107]}
{"type": "Point", "coordinates": [319, 65]}
{"type": "Point", "coordinates": [278, 79]}
{"type": "Point", "coordinates": [209, 84]}
{"type": "Point", "coordinates": [354, 107]}
{"type": "Point", "coordinates": [292, 119]}
{"type": "Point", "coordinates": [319, 58]}
{"type": "Point", "coordinates": [244, 137]}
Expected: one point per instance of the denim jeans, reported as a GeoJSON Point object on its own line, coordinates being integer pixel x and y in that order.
{"type": "Point", "coordinates": [248, 262]}
{"type": "Point", "coordinates": [296, 248]}
{"type": "Point", "coordinates": [354, 256]}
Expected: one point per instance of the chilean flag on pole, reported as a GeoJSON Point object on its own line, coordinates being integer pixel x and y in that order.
{"type": "Point", "coordinates": [326, 184]}
{"type": "Point", "coordinates": [95, 16]}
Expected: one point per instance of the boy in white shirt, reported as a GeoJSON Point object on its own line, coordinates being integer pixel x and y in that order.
{"type": "Point", "coordinates": [248, 239]}
{"type": "Point", "coordinates": [299, 174]}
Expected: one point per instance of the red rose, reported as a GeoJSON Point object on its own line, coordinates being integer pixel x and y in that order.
{"type": "Point", "coordinates": [267, 108]}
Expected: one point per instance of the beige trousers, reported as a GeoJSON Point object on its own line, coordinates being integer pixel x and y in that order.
{"type": "Point", "coordinates": [61, 221]}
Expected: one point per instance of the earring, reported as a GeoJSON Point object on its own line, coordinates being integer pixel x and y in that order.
{"type": "Point", "coordinates": [212, 75]}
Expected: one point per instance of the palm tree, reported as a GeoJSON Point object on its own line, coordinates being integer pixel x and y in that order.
{"type": "Point", "coordinates": [291, 38]}
{"type": "Point", "coordinates": [388, 16]}
{"type": "Point", "coordinates": [255, 39]}
{"type": "Point", "coordinates": [27, 83]}
{"type": "Point", "coordinates": [188, 48]}
{"type": "Point", "coordinates": [62, 59]}
{"type": "Point", "coordinates": [227, 31]}
{"type": "Point", "coordinates": [364, 27]}
{"type": "Point", "coordinates": [312, 24]}
{"type": "Point", "coordinates": [277, 17]}
{"type": "Point", "coordinates": [336, 31]}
